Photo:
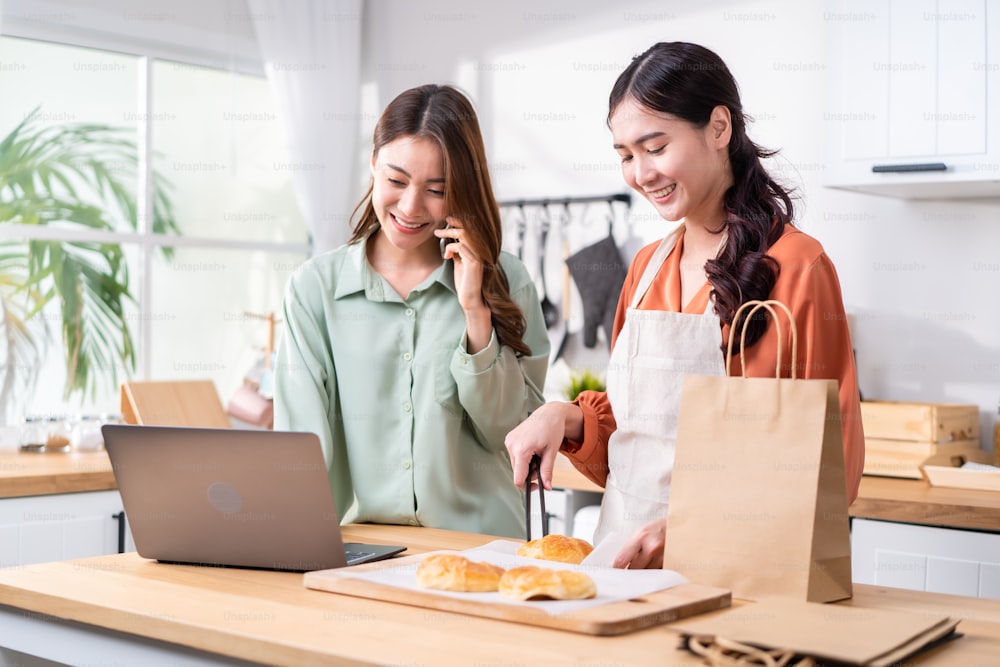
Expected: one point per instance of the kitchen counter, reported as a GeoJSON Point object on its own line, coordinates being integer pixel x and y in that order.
{"type": "Point", "coordinates": [126, 607]}
{"type": "Point", "coordinates": [37, 474]}
{"type": "Point", "coordinates": [916, 501]}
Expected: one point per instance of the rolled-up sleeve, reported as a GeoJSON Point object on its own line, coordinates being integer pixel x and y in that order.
{"type": "Point", "coordinates": [590, 455]}
{"type": "Point", "coordinates": [498, 389]}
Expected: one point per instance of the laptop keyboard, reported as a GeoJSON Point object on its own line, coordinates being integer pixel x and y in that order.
{"type": "Point", "coordinates": [355, 556]}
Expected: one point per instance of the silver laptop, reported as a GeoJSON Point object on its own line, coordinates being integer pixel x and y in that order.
{"type": "Point", "coordinates": [231, 497]}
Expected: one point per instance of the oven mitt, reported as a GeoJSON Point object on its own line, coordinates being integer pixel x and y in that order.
{"type": "Point", "coordinates": [599, 273]}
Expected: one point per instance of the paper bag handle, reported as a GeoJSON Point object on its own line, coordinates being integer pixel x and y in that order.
{"type": "Point", "coordinates": [769, 306]}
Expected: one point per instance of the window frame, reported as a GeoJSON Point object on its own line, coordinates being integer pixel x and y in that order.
{"type": "Point", "coordinates": [238, 61]}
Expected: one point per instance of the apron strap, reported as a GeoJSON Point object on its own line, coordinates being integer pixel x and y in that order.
{"type": "Point", "coordinates": [655, 262]}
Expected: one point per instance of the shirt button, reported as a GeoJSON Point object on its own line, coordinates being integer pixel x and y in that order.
{"type": "Point", "coordinates": [407, 407]}
{"type": "Point", "coordinates": [412, 522]}
{"type": "Point", "coordinates": [406, 465]}
{"type": "Point", "coordinates": [409, 312]}
{"type": "Point", "coordinates": [407, 356]}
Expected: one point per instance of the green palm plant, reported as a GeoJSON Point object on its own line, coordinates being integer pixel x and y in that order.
{"type": "Point", "coordinates": [73, 176]}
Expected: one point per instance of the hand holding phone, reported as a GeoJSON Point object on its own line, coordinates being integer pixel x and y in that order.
{"type": "Point", "coordinates": [445, 241]}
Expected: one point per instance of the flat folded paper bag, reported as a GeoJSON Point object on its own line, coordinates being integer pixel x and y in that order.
{"type": "Point", "coordinates": [848, 635]}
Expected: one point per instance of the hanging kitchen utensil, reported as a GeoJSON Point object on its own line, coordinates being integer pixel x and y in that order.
{"type": "Point", "coordinates": [522, 225]}
{"type": "Point", "coordinates": [599, 272]}
{"type": "Point", "coordinates": [560, 345]}
{"type": "Point", "coordinates": [550, 312]}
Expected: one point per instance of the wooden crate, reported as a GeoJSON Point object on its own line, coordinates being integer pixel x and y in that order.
{"type": "Point", "coordinates": [920, 422]}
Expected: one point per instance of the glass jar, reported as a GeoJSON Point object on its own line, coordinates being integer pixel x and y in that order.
{"type": "Point", "coordinates": [87, 433]}
{"type": "Point", "coordinates": [31, 436]}
{"type": "Point", "coordinates": [58, 435]}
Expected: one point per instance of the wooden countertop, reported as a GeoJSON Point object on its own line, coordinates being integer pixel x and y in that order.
{"type": "Point", "coordinates": [271, 617]}
{"type": "Point", "coordinates": [36, 474]}
{"type": "Point", "coordinates": [916, 501]}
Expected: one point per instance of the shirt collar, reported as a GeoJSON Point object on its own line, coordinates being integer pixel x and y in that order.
{"type": "Point", "coordinates": [357, 275]}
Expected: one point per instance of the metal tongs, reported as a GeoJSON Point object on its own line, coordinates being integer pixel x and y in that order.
{"type": "Point", "coordinates": [534, 470]}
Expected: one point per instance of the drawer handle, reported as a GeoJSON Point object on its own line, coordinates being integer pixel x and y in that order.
{"type": "Point", "coordinates": [906, 168]}
{"type": "Point", "coordinates": [120, 518]}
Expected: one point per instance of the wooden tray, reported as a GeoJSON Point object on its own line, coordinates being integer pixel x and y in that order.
{"type": "Point", "coordinates": [903, 458]}
{"type": "Point", "coordinates": [947, 471]}
{"type": "Point", "coordinates": [959, 478]}
{"type": "Point", "coordinates": [613, 618]}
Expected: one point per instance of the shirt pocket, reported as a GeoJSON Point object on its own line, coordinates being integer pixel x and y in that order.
{"type": "Point", "coordinates": [445, 387]}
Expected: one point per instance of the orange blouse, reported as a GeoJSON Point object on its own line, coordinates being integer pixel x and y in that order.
{"type": "Point", "coordinates": [807, 283]}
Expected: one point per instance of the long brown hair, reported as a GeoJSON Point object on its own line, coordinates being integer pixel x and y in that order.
{"type": "Point", "coordinates": [688, 81]}
{"type": "Point", "coordinates": [445, 116]}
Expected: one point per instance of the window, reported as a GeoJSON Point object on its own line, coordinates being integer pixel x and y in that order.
{"type": "Point", "coordinates": [216, 139]}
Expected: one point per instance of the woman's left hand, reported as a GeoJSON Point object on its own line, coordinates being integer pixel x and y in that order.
{"type": "Point", "coordinates": [644, 550]}
{"type": "Point", "coordinates": [468, 285]}
{"type": "Point", "coordinates": [468, 266]}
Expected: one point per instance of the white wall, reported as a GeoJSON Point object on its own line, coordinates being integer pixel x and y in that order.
{"type": "Point", "coordinates": [922, 279]}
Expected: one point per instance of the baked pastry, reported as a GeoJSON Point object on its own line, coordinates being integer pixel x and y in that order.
{"type": "Point", "coordinates": [529, 582]}
{"type": "Point", "coordinates": [556, 547]}
{"type": "Point", "coordinates": [451, 572]}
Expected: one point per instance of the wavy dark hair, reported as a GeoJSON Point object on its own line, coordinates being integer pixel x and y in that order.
{"type": "Point", "coordinates": [444, 115]}
{"type": "Point", "coordinates": [688, 81]}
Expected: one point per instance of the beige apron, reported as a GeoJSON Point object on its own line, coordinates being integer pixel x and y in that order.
{"type": "Point", "coordinates": [654, 351]}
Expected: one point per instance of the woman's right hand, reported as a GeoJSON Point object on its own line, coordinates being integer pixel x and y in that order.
{"type": "Point", "coordinates": [543, 433]}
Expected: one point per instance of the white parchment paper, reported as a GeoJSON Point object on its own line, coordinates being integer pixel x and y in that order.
{"type": "Point", "coordinates": [612, 584]}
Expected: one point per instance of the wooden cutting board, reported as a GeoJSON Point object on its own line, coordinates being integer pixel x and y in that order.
{"type": "Point", "coordinates": [612, 618]}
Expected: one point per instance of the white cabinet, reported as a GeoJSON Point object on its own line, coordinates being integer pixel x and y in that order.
{"type": "Point", "coordinates": [911, 87]}
{"type": "Point", "coordinates": [926, 558]}
{"type": "Point", "coordinates": [37, 529]}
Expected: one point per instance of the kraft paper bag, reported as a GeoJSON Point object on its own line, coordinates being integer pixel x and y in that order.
{"type": "Point", "coordinates": [758, 500]}
{"type": "Point", "coordinates": [779, 631]}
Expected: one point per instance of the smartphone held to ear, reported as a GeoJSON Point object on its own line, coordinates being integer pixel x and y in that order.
{"type": "Point", "coordinates": [445, 241]}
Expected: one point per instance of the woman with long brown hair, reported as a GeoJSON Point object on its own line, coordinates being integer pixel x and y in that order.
{"type": "Point", "coordinates": [678, 126]}
{"type": "Point", "coordinates": [413, 349]}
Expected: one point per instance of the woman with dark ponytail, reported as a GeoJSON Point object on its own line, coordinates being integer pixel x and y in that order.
{"type": "Point", "coordinates": [679, 127]}
{"type": "Point", "coordinates": [412, 350]}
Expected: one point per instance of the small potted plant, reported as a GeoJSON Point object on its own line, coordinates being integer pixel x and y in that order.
{"type": "Point", "coordinates": [582, 380]}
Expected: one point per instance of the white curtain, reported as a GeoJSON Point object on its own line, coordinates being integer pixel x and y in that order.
{"type": "Point", "coordinates": [312, 51]}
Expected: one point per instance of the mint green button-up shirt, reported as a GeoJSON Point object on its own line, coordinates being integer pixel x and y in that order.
{"type": "Point", "coordinates": [412, 426]}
